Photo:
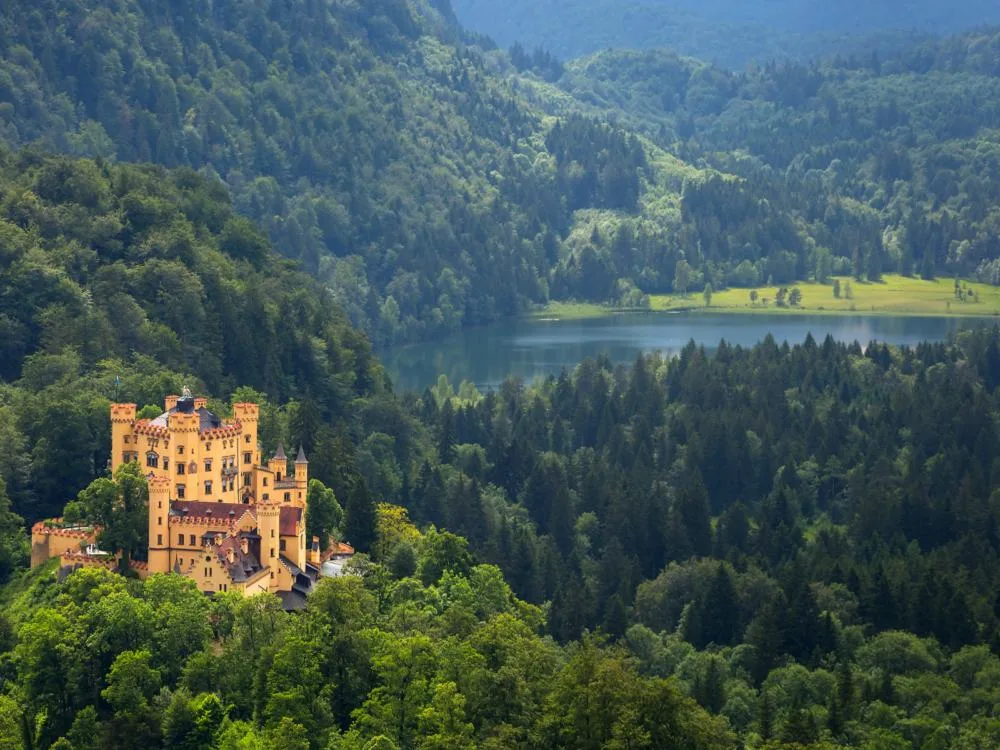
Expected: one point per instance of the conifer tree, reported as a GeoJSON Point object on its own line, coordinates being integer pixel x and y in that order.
{"type": "Point", "coordinates": [360, 517]}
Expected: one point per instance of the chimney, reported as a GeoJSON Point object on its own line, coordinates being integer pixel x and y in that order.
{"type": "Point", "coordinates": [170, 402]}
{"type": "Point", "coordinates": [314, 551]}
{"type": "Point", "coordinates": [200, 403]}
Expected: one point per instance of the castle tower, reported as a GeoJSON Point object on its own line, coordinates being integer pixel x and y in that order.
{"type": "Point", "coordinates": [248, 415]}
{"type": "Point", "coordinates": [268, 526]}
{"type": "Point", "coordinates": [122, 419]}
{"type": "Point", "coordinates": [302, 471]}
{"type": "Point", "coordinates": [278, 464]}
{"type": "Point", "coordinates": [159, 525]}
{"type": "Point", "coordinates": [183, 424]}
{"type": "Point", "coordinates": [300, 500]}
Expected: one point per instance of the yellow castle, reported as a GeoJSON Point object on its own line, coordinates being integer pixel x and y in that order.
{"type": "Point", "coordinates": [217, 513]}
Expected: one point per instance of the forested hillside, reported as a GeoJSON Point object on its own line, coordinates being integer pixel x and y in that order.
{"type": "Point", "coordinates": [431, 182]}
{"type": "Point", "coordinates": [882, 164]}
{"type": "Point", "coordinates": [369, 142]}
{"type": "Point", "coordinates": [801, 540]}
{"type": "Point", "coordinates": [725, 32]}
{"type": "Point", "coordinates": [777, 547]}
{"type": "Point", "coordinates": [149, 277]}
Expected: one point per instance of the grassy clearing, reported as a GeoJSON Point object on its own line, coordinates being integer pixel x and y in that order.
{"type": "Point", "coordinates": [571, 311]}
{"type": "Point", "coordinates": [894, 295]}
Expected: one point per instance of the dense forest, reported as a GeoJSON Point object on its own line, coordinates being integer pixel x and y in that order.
{"type": "Point", "coordinates": [775, 547]}
{"type": "Point", "coordinates": [149, 278]}
{"type": "Point", "coordinates": [371, 144]}
{"type": "Point", "coordinates": [431, 181]}
{"type": "Point", "coordinates": [859, 164]}
{"type": "Point", "coordinates": [799, 542]}
{"type": "Point", "coordinates": [725, 32]}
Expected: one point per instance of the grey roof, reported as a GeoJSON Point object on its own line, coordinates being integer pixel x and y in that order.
{"type": "Point", "coordinates": [206, 419]}
{"type": "Point", "coordinates": [301, 458]}
{"type": "Point", "coordinates": [280, 453]}
{"type": "Point", "coordinates": [292, 600]}
{"type": "Point", "coordinates": [244, 566]}
{"type": "Point", "coordinates": [295, 570]}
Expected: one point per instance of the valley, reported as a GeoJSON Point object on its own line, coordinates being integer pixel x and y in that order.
{"type": "Point", "coordinates": [366, 385]}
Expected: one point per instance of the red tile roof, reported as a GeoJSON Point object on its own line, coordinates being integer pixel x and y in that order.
{"type": "Point", "coordinates": [290, 518]}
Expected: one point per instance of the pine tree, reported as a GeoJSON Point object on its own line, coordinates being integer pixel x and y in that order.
{"type": "Point", "coordinates": [360, 517]}
{"type": "Point", "coordinates": [845, 690]}
{"type": "Point", "coordinates": [720, 616]}
{"type": "Point", "coordinates": [765, 716]}
{"type": "Point", "coordinates": [714, 690]}
{"type": "Point", "coordinates": [693, 509]}
{"type": "Point", "coordinates": [446, 432]}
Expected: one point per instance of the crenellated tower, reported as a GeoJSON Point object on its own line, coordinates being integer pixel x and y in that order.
{"type": "Point", "coordinates": [123, 443]}
{"type": "Point", "coordinates": [159, 525]}
{"type": "Point", "coordinates": [269, 528]}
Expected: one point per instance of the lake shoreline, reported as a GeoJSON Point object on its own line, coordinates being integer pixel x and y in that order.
{"type": "Point", "coordinates": [592, 311]}
{"type": "Point", "coordinates": [529, 348]}
{"type": "Point", "coordinates": [894, 296]}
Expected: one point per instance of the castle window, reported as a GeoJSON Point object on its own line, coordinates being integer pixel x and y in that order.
{"type": "Point", "coordinates": [180, 491]}
{"type": "Point", "coordinates": [272, 551]}
{"type": "Point", "coordinates": [266, 497]}
{"type": "Point", "coordinates": [247, 457]}
{"type": "Point", "coordinates": [265, 481]}
{"type": "Point", "coordinates": [153, 459]}
{"type": "Point", "coordinates": [166, 462]}
{"type": "Point", "coordinates": [208, 464]}
{"type": "Point", "coordinates": [208, 445]}
{"type": "Point", "coordinates": [288, 496]}
{"type": "Point", "coordinates": [159, 520]}
{"type": "Point", "coordinates": [180, 450]}
{"type": "Point", "coordinates": [281, 545]}
{"type": "Point", "coordinates": [180, 468]}
{"type": "Point", "coordinates": [159, 539]}
{"type": "Point", "coordinates": [245, 440]}
{"type": "Point", "coordinates": [246, 479]}
{"type": "Point", "coordinates": [272, 536]}
{"type": "Point", "coordinates": [192, 541]}
{"type": "Point", "coordinates": [208, 488]}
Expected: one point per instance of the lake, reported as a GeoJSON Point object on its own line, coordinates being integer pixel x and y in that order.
{"type": "Point", "coordinates": [535, 348]}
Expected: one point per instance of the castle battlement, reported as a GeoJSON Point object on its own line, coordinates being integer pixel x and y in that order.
{"type": "Point", "coordinates": [218, 512]}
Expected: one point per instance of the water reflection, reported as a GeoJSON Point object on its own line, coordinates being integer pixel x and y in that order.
{"type": "Point", "coordinates": [536, 348]}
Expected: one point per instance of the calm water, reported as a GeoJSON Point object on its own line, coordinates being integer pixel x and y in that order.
{"type": "Point", "coordinates": [536, 348]}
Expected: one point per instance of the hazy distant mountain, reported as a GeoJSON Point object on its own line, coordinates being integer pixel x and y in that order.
{"type": "Point", "coordinates": [727, 32]}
